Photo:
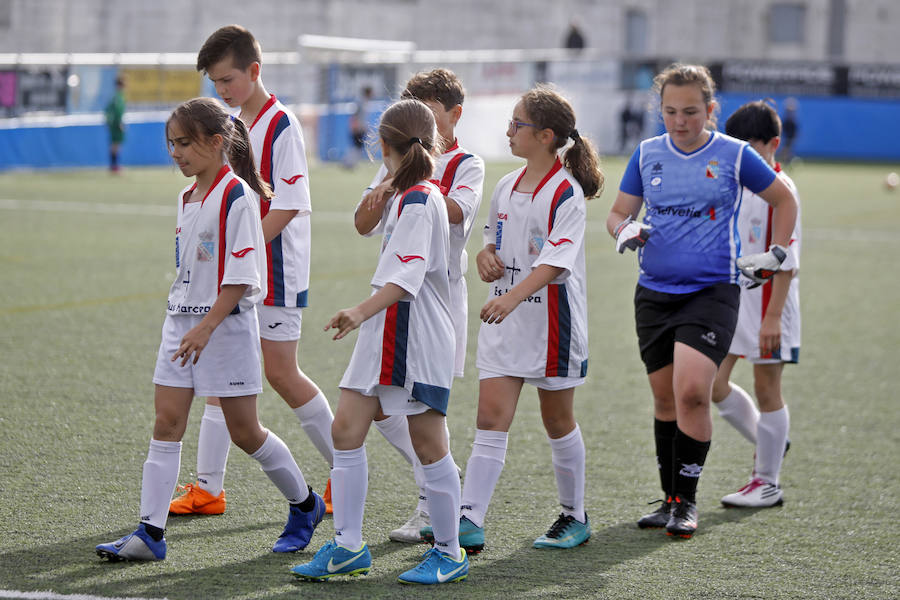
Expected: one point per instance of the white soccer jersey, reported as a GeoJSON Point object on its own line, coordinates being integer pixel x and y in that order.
{"type": "Point", "coordinates": [460, 176]}
{"type": "Point", "coordinates": [280, 156]}
{"type": "Point", "coordinates": [546, 335]}
{"type": "Point", "coordinates": [755, 229]}
{"type": "Point", "coordinates": [411, 343]}
{"type": "Point", "coordinates": [218, 241]}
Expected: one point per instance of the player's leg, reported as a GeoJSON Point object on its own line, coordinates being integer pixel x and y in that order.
{"type": "Point", "coordinates": [664, 427]}
{"type": "Point", "coordinates": [733, 403]}
{"type": "Point", "coordinates": [160, 474]}
{"type": "Point", "coordinates": [306, 507]}
{"type": "Point", "coordinates": [572, 527]}
{"type": "Point", "coordinates": [349, 486]}
{"type": "Point", "coordinates": [207, 495]}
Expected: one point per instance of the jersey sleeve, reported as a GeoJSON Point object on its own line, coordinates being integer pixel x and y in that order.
{"type": "Point", "coordinates": [631, 180]}
{"type": "Point", "coordinates": [406, 256]}
{"type": "Point", "coordinates": [244, 248]}
{"type": "Point", "coordinates": [755, 175]}
{"type": "Point", "coordinates": [467, 189]}
{"type": "Point", "coordinates": [290, 174]}
{"type": "Point", "coordinates": [566, 238]}
{"type": "Point", "coordinates": [379, 177]}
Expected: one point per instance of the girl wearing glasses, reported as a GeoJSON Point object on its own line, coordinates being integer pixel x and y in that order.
{"type": "Point", "coordinates": [534, 327]}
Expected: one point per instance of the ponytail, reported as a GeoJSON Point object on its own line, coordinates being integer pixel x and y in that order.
{"type": "Point", "coordinates": [408, 127]}
{"type": "Point", "coordinates": [548, 109]}
{"type": "Point", "coordinates": [240, 157]}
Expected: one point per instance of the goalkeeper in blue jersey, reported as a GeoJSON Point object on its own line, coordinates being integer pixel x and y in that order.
{"type": "Point", "coordinates": [689, 182]}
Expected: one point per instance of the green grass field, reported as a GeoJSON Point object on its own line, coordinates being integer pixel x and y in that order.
{"type": "Point", "coordinates": [87, 260]}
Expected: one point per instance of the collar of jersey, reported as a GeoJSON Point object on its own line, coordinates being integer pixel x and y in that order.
{"type": "Point", "coordinates": [692, 153]}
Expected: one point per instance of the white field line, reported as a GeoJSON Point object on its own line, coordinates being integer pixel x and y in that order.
{"type": "Point", "coordinates": [54, 596]}
{"type": "Point", "coordinates": [593, 226]}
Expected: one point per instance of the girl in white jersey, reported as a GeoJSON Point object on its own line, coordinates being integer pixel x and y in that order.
{"type": "Point", "coordinates": [210, 338]}
{"type": "Point", "coordinates": [403, 359]}
{"type": "Point", "coordinates": [534, 326]}
{"type": "Point", "coordinates": [686, 301]}
{"type": "Point", "coordinates": [768, 329]}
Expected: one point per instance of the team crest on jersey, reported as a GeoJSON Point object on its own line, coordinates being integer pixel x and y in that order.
{"type": "Point", "coordinates": [206, 249]}
{"type": "Point", "coordinates": [656, 183]}
{"type": "Point", "coordinates": [535, 244]}
{"type": "Point", "coordinates": [755, 231]}
{"type": "Point", "coordinates": [712, 169]}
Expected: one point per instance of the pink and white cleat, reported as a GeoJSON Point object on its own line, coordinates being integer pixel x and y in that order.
{"type": "Point", "coordinates": [759, 493]}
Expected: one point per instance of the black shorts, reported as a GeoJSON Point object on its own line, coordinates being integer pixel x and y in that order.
{"type": "Point", "coordinates": [704, 320]}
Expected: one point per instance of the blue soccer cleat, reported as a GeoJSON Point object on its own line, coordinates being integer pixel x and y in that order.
{"type": "Point", "coordinates": [566, 532]}
{"type": "Point", "coordinates": [471, 536]}
{"type": "Point", "coordinates": [437, 568]}
{"type": "Point", "coordinates": [300, 526]}
{"type": "Point", "coordinates": [332, 560]}
{"type": "Point", "coordinates": [134, 546]}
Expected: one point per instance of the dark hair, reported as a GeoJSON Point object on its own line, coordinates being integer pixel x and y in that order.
{"type": "Point", "coordinates": [754, 121]}
{"type": "Point", "coordinates": [230, 41]}
{"type": "Point", "coordinates": [202, 118]}
{"type": "Point", "coordinates": [680, 74]}
{"type": "Point", "coordinates": [439, 85]}
{"type": "Point", "coordinates": [408, 127]}
{"type": "Point", "coordinates": [548, 109]}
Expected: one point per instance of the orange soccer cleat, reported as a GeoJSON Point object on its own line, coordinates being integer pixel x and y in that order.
{"type": "Point", "coordinates": [197, 501]}
{"type": "Point", "coordinates": [327, 498]}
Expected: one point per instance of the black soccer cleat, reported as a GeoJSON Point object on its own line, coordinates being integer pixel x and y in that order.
{"type": "Point", "coordinates": [683, 522]}
{"type": "Point", "coordinates": [659, 517]}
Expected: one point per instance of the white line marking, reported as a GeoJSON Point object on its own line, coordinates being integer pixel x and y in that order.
{"type": "Point", "coordinates": [54, 596]}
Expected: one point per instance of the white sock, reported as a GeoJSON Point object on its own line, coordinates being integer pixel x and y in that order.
{"type": "Point", "coordinates": [315, 419]}
{"type": "Point", "coordinates": [482, 472]}
{"type": "Point", "coordinates": [279, 465]}
{"type": "Point", "coordinates": [738, 409]}
{"type": "Point", "coordinates": [395, 430]}
{"type": "Point", "coordinates": [158, 481]}
{"type": "Point", "coordinates": [772, 435]}
{"type": "Point", "coordinates": [442, 487]}
{"type": "Point", "coordinates": [349, 485]}
{"type": "Point", "coordinates": [213, 444]}
{"type": "Point", "coordinates": [568, 464]}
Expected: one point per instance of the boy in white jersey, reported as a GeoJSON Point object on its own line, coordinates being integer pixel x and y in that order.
{"type": "Point", "coordinates": [768, 329]}
{"type": "Point", "coordinates": [231, 57]}
{"type": "Point", "coordinates": [460, 178]}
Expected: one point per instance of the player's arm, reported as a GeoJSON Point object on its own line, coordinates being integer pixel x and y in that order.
{"type": "Point", "coordinates": [275, 221]}
{"type": "Point", "coordinates": [454, 212]}
{"type": "Point", "coordinates": [499, 308]}
{"type": "Point", "coordinates": [348, 319]}
{"type": "Point", "coordinates": [784, 217]}
{"type": "Point", "coordinates": [490, 266]}
{"type": "Point", "coordinates": [371, 209]}
{"type": "Point", "coordinates": [625, 207]}
{"type": "Point", "coordinates": [195, 340]}
{"type": "Point", "coordinates": [770, 328]}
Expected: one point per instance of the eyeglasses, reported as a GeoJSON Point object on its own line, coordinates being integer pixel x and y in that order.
{"type": "Point", "coordinates": [514, 125]}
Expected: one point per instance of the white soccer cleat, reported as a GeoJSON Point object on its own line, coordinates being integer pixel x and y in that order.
{"type": "Point", "coordinates": [408, 533]}
{"type": "Point", "coordinates": [759, 493]}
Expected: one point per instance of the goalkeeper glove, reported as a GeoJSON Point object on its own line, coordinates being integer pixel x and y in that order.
{"type": "Point", "coordinates": [631, 234]}
{"type": "Point", "coordinates": [759, 268]}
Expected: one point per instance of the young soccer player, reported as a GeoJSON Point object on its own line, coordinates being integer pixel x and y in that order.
{"type": "Point", "coordinates": [210, 338]}
{"type": "Point", "coordinates": [460, 177]}
{"type": "Point", "coordinates": [403, 359]}
{"type": "Point", "coordinates": [534, 326]}
{"type": "Point", "coordinates": [232, 59]}
{"type": "Point", "coordinates": [686, 301]}
{"type": "Point", "coordinates": [768, 328]}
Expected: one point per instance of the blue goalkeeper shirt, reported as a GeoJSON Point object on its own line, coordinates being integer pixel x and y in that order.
{"type": "Point", "coordinates": [692, 202]}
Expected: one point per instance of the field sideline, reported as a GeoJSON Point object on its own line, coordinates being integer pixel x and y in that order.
{"type": "Point", "coordinates": [87, 259]}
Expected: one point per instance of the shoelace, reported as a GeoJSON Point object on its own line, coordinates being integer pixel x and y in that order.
{"type": "Point", "coordinates": [559, 527]}
{"type": "Point", "coordinates": [186, 487]}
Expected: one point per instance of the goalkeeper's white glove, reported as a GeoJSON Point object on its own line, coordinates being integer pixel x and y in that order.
{"type": "Point", "coordinates": [759, 268]}
{"type": "Point", "coordinates": [631, 234]}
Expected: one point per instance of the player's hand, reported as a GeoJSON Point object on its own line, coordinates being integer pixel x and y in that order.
{"type": "Point", "coordinates": [759, 268]}
{"type": "Point", "coordinates": [769, 335]}
{"type": "Point", "coordinates": [631, 234]}
{"type": "Point", "coordinates": [345, 321]}
{"type": "Point", "coordinates": [490, 267]}
{"type": "Point", "coordinates": [193, 342]}
{"type": "Point", "coordinates": [378, 197]}
{"type": "Point", "coordinates": [498, 308]}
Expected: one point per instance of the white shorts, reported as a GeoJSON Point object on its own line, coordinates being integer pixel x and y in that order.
{"type": "Point", "coordinates": [745, 342]}
{"type": "Point", "coordinates": [228, 366]}
{"type": "Point", "coordinates": [543, 383]}
{"type": "Point", "coordinates": [394, 400]}
{"type": "Point", "coordinates": [279, 323]}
